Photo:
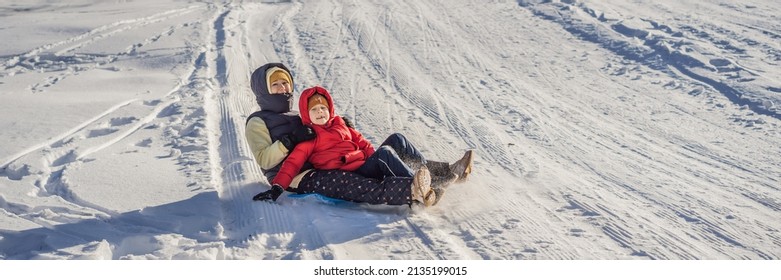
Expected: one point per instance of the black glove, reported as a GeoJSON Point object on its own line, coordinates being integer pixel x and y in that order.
{"type": "Point", "coordinates": [298, 135]}
{"type": "Point", "coordinates": [273, 193]}
{"type": "Point", "coordinates": [347, 122]}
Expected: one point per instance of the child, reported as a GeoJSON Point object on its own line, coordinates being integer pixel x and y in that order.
{"type": "Point", "coordinates": [339, 146]}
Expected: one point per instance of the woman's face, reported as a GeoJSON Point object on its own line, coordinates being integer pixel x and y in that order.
{"type": "Point", "coordinates": [319, 114]}
{"type": "Point", "coordinates": [280, 86]}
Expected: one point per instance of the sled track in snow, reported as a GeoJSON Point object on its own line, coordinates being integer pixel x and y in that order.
{"type": "Point", "coordinates": [593, 139]}
{"type": "Point", "coordinates": [248, 224]}
{"type": "Point", "coordinates": [228, 162]}
{"type": "Point", "coordinates": [501, 129]}
{"type": "Point", "coordinates": [55, 157]}
{"type": "Point", "coordinates": [64, 58]}
{"type": "Point", "coordinates": [656, 53]}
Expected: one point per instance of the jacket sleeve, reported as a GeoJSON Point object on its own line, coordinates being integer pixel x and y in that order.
{"type": "Point", "coordinates": [362, 142]}
{"type": "Point", "coordinates": [293, 164]}
{"type": "Point", "coordinates": [267, 154]}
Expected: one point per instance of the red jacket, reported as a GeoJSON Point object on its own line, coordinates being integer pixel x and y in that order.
{"type": "Point", "coordinates": [335, 147]}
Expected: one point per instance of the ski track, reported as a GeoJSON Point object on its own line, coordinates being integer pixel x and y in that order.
{"type": "Point", "coordinates": [247, 222]}
{"type": "Point", "coordinates": [400, 91]}
{"type": "Point", "coordinates": [695, 157]}
{"type": "Point", "coordinates": [64, 55]}
{"type": "Point", "coordinates": [75, 145]}
{"type": "Point", "coordinates": [230, 163]}
{"type": "Point", "coordinates": [54, 157]}
{"type": "Point", "coordinates": [710, 63]}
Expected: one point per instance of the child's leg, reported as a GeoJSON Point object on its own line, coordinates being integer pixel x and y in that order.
{"type": "Point", "coordinates": [353, 187]}
{"type": "Point", "coordinates": [384, 163]}
{"type": "Point", "coordinates": [405, 150]}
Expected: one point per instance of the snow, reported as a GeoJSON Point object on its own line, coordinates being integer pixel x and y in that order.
{"type": "Point", "coordinates": [603, 130]}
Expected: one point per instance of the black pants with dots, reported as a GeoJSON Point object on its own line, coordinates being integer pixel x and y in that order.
{"type": "Point", "coordinates": [356, 188]}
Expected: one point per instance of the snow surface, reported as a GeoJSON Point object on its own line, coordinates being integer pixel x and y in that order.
{"type": "Point", "coordinates": [603, 130]}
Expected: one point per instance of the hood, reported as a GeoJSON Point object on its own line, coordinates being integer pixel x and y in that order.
{"type": "Point", "coordinates": [303, 100]}
{"type": "Point", "coordinates": [277, 103]}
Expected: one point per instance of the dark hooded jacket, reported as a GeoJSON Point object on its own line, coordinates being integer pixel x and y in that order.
{"type": "Point", "coordinates": [275, 110]}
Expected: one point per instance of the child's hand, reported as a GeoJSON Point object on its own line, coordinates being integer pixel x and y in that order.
{"type": "Point", "coordinates": [272, 194]}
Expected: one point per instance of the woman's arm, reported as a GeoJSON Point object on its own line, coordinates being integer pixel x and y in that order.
{"type": "Point", "coordinates": [267, 154]}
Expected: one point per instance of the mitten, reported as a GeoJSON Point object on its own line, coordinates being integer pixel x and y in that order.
{"type": "Point", "coordinates": [272, 194]}
{"type": "Point", "coordinates": [300, 134]}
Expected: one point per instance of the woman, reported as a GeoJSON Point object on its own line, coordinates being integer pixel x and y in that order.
{"type": "Point", "coordinates": [275, 130]}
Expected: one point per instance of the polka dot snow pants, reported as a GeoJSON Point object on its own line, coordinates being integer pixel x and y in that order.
{"type": "Point", "coordinates": [353, 187]}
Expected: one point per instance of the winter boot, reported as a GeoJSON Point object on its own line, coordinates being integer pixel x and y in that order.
{"type": "Point", "coordinates": [413, 165]}
{"type": "Point", "coordinates": [439, 192]}
{"type": "Point", "coordinates": [421, 187]}
{"type": "Point", "coordinates": [463, 166]}
{"type": "Point", "coordinates": [438, 168]}
{"type": "Point", "coordinates": [440, 183]}
{"type": "Point", "coordinates": [443, 181]}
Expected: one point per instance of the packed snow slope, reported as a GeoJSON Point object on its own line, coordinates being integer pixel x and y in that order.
{"type": "Point", "coordinates": [602, 129]}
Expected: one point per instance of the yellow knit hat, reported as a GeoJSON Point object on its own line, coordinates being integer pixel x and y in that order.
{"type": "Point", "coordinates": [278, 74]}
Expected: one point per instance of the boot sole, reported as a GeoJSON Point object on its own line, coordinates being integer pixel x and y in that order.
{"type": "Point", "coordinates": [423, 178]}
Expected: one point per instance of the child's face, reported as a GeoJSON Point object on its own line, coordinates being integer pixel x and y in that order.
{"type": "Point", "coordinates": [319, 114]}
{"type": "Point", "coordinates": [280, 86]}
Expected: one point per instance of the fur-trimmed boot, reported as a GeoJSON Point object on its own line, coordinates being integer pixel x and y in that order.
{"type": "Point", "coordinates": [438, 168]}
{"type": "Point", "coordinates": [439, 192]}
{"type": "Point", "coordinates": [463, 167]}
{"type": "Point", "coordinates": [421, 187]}
{"type": "Point", "coordinates": [443, 181]}
{"type": "Point", "coordinates": [441, 175]}
{"type": "Point", "coordinates": [440, 183]}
